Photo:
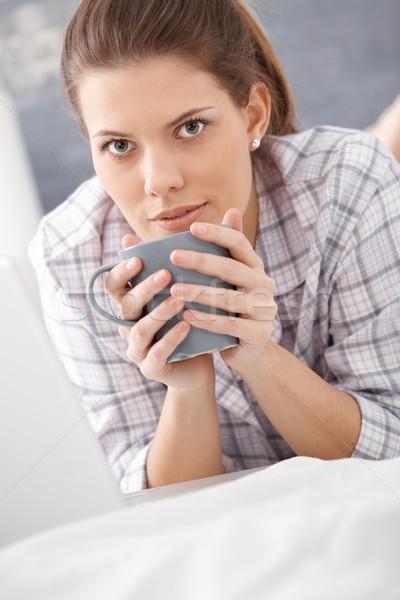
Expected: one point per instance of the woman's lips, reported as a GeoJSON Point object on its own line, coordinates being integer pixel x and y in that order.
{"type": "Point", "coordinates": [179, 219]}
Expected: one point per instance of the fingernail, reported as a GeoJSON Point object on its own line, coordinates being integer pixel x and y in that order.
{"type": "Point", "coordinates": [200, 228]}
{"type": "Point", "coordinates": [131, 264]}
{"type": "Point", "coordinates": [159, 277]}
{"type": "Point", "coordinates": [180, 256]}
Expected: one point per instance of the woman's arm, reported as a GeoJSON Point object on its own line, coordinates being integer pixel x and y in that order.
{"type": "Point", "coordinates": [315, 418]}
{"type": "Point", "coordinates": [187, 442]}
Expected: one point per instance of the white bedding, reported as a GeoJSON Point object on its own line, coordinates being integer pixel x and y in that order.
{"type": "Point", "coordinates": [302, 529]}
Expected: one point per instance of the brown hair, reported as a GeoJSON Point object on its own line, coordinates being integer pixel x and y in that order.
{"type": "Point", "coordinates": [222, 37]}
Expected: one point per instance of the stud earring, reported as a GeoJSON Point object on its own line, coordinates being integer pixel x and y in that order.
{"type": "Point", "coordinates": [255, 144]}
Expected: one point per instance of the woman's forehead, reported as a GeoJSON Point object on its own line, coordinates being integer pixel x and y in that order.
{"type": "Point", "coordinates": [158, 86]}
{"type": "Point", "coordinates": [152, 71]}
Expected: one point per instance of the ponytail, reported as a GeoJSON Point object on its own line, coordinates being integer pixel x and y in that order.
{"type": "Point", "coordinates": [283, 113]}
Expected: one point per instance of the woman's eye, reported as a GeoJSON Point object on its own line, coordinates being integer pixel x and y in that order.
{"type": "Point", "coordinates": [191, 129]}
{"type": "Point", "coordinates": [118, 147]}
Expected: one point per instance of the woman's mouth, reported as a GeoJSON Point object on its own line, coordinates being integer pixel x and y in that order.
{"type": "Point", "coordinates": [180, 218]}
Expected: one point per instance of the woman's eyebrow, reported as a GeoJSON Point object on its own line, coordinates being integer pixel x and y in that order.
{"type": "Point", "coordinates": [109, 132]}
{"type": "Point", "coordinates": [186, 114]}
{"type": "Point", "coordinates": [121, 134]}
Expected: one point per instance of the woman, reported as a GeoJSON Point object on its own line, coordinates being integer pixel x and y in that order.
{"type": "Point", "coordinates": [191, 123]}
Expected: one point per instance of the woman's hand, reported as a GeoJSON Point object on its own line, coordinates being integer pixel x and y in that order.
{"type": "Point", "coordinates": [150, 356]}
{"type": "Point", "coordinates": [252, 301]}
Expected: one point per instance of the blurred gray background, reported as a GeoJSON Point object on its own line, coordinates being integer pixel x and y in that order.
{"type": "Point", "coordinates": [342, 59]}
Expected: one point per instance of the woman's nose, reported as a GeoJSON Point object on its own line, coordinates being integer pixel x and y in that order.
{"type": "Point", "coordinates": [162, 174]}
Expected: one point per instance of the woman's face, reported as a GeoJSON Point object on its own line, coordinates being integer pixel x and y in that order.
{"type": "Point", "coordinates": [169, 146]}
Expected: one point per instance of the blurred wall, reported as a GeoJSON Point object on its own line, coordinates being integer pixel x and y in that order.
{"type": "Point", "coordinates": [342, 59]}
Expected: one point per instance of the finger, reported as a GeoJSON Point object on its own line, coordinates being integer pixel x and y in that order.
{"type": "Point", "coordinates": [117, 279]}
{"type": "Point", "coordinates": [130, 240]}
{"type": "Point", "coordinates": [162, 350]}
{"type": "Point", "coordinates": [255, 304]}
{"type": "Point", "coordinates": [226, 269]}
{"type": "Point", "coordinates": [248, 331]}
{"type": "Point", "coordinates": [233, 217]}
{"type": "Point", "coordinates": [117, 282]}
{"type": "Point", "coordinates": [124, 333]}
{"type": "Point", "coordinates": [134, 300]}
{"type": "Point", "coordinates": [235, 241]}
{"type": "Point", "coordinates": [142, 333]}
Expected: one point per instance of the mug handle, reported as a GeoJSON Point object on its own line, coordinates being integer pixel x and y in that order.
{"type": "Point", "coordinates": [92, 301]}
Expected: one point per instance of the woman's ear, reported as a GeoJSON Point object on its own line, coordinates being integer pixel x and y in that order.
{"type": "Point", "coordinates": [258, 111]}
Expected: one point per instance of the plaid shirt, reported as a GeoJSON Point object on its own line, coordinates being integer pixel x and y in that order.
{"type": "Point", "coordinates": [328, 233]}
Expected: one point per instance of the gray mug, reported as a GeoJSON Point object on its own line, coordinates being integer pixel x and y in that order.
{"type": "Point", "coordinates": [155, 255]}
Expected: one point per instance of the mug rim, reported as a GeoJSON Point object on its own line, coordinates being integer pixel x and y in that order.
{"type": "Point", "coordinates": [157, 241]}
{"type": "Point", "coordinates": [125, 253]}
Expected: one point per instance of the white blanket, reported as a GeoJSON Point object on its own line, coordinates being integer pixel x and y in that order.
{"type": "Point", "coordinates": [302, 529]}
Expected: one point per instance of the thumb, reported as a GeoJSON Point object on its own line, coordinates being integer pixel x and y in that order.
{"type": "Point", "coordinates": [233, 217]}
{"type": "Point", "coordinates": [130, 240]}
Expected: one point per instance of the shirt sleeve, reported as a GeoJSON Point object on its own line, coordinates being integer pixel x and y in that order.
{"type": "Point", "coordinates": [364, 356]}
{"type": "Point", "coordinates": [122, 406]}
